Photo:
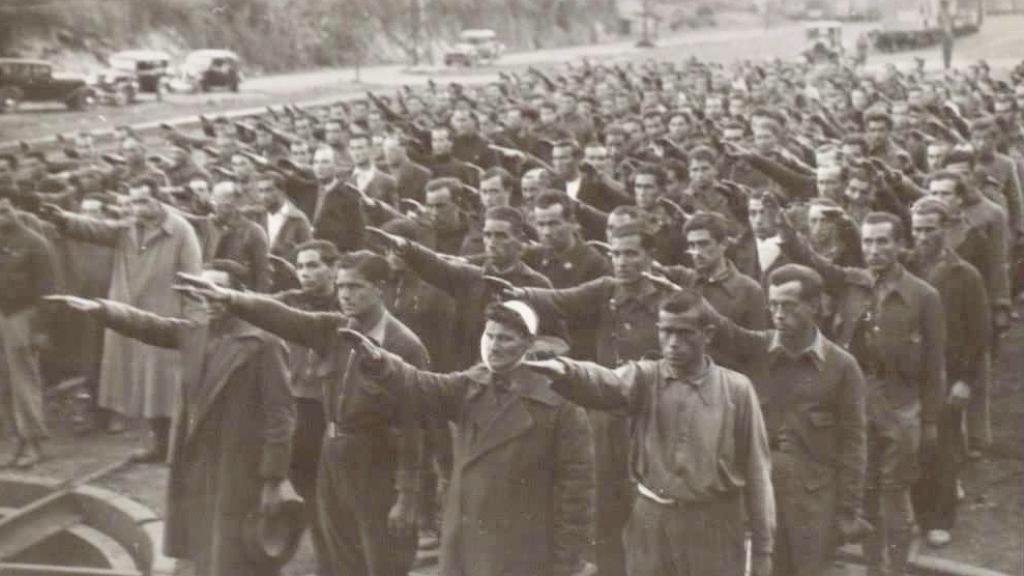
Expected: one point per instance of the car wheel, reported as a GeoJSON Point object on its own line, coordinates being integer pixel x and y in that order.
{"type": "Point", "coordinates": [9, 100]}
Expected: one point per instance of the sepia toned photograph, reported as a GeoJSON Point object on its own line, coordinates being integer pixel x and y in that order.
{"type": "Point", "coordinates": [511, 287]}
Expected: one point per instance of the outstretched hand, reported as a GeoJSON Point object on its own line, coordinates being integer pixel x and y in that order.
{"type": "Point", "coordinates": [366, 349]}
{"type": "Point", "coordinates": [503, 288]}
{"type": "Point", "coordinates": [391, 241]}
{"type": "Point", "coordinates": [197, 286]}
{"type": "Point", "coordinates": [86, 305]}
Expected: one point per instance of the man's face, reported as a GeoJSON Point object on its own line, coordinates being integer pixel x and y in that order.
{"type": "Point", "coordinates": [315, 275]}
{"type": "Point", "coordinates": [359, 151]}
{"type": "Point", "coordinates": [678, 127]}
{"type": "Point", "coordinates": [357, 296]}
{"type": "Point", "coordinates": [702, 173]}
{"type": "Point", "coordinates": [829, 184]}
{"type": "Point", "coordinates": [791, 315]}
{"type": "Point", "coordinates": [394, 152]}
{"type": "Point", "coordinates": [653, 127]}
{"type": "Point", "coordinates": [493, 194]}
{"type": "Point", "coordinates": [564, 161]}
{"type": "Point", "coordinates": [945, 190]}
{"type": "Point", "coordinates": [303, 128]}
{"type": "Point", "coordinates": [876, 133]}
{"type": "Point", "coordinates": [531, 188]}
{"type": "Point", "coordinates": [334, 134]}
{"type": "Point", "coordinates": [200, 189]}
{"type": "Point", "coordinates": [707, 253]}
{"type": "Point", "coordinates": [502, 346]}
{"type": "Point", "coordinates": [762, 219]}
{"type": "Point", "coordinates": [242, 167]}
{"type": "Point", "coordinates": [553, 228]}
{"type": "Point", "coordinates": [629, 258]}
{"type": "Point", "coordinates": [936, 156]}
{"type": "Point", "coordinates": [268, 194]}
{"type": "Point", "coordinates": [821, 223]}
{"type": "Point", "coordinates": [439, 207]}
{"type": "Point", "coordinates": [984, 140]}
{"type": "Point", "coordinates": [142, 204]}
{"type": "Point", "coordinates": [324, 167]}
{"type": "Point", "coordinates": [224, 201]}
{"type": "Point", "coordinates": [714, 108]}
{"type": "Point", "coordinates": [463, 123]}
{"type": "Point", "coordinates": [513, 118]}
{"type": "Point", "coordinates": [880, 246]}
{"type": "Point", "coordinates": [683, 338]}
{"type": "Point", "coordinates": [300, 154]}
{"type": "Point", "coordinates": [217, 310]}
{"type": "Point", "coordinates": [615, 144]}
{"type": "Point", "coordinates": [928, 232]}
{"type": "Point", "coordinates": [375, 122]}
{"type": "Point", "coordinates": [859, 193]}
{"type": "Point", "coordinates": [859, 99]}
{"type": "Point", "coordinates": [765, 139]}
{"type": "Point", "coordinates": [597, 156]}
{"type": "Point", "coordinates": [500, 243]}
{"type": "Point", "coordinates": [440, 142]}
{"type": "Point", "coordinates": [646, 191]}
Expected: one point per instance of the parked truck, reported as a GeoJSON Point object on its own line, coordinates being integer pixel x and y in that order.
{"type": "Point", "coordinates": [912, 24]}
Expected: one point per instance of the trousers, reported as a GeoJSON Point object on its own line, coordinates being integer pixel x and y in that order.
{"type": "Point", "coordinates": [21, 383]}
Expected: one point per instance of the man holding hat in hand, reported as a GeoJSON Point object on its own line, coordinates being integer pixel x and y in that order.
{"type": "Point", "coordinates": [521, 488]}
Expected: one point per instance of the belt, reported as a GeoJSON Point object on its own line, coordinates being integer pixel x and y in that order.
{"type": "Point", "coordinates": [650, 495]}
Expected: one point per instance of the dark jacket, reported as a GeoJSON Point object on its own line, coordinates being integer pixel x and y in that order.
{"type": "Point", "coordinates": [242, 241]}
{"type": "Point", "coordinates": [27, 268]}
{"type": "Point", "coordinates": [296, 230]}
{"type": "Point", "coordinates": [520, 496]}
{"type": "Point", "coordinates": [411, 180]}
{"type": "Point", "coordinates": [232, 431]}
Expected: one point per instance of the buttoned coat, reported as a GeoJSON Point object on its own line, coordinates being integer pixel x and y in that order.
{"type": "Point", "coordinates": [232, 431]}
{"type": "Point", "coordinates": [136, 379]}
{"type": "Point", "coordinates": [519, 501]}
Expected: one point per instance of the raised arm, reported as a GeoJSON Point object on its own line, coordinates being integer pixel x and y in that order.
{"type": "Point", "coordinates": [583, 301]}
{"type": "Point", "coordinates": [310, 329]}
{"type": "Point", "coordinates": [146, 327]}
{"type": "Point", "coordinates": [455, 278]}
{"type": "Point", "coordinates": [90, 229]}
{"type": "Point", "coordinates": [593, 386]}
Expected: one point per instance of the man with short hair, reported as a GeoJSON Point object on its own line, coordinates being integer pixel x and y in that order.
{"type": "Point", "coordinates": [366, 177]}
{"type": "Point", "coordinates": [150, 248]}
{"type": "Point", "coordinates": [443, 164]}
{"type": "Point", "coordinates": [286, 225]}
{"type": "Point", "coordinates": [233, 425]}
{"type": "Point", "coordinates": [228, 235]}
{"type": "Point", "coordinates": [442, 213]}
{"type": "Point", "coordinates": [698, 451]}
{"type": "Point", "coordinates": [334, 208]}
{"type": "Point", "coordinates": [522, 482]}
{"type": "Point", "coordinates": [410, 178]}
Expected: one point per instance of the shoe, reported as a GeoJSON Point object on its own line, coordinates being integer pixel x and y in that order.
{"type": "Point", "coordinates": [28, 459]}
{"type": "Point", "coordinates": [938, 538]}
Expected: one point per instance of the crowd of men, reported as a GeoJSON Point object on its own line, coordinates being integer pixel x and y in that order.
{"type": "Point", "coordinates": [645, 319]}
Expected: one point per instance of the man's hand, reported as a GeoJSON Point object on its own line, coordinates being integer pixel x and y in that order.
{"type": "Point", "coordinates": [761, 565]}
{"type": "Point", "coordinates": [86, 305]}
{"type": "Point", "coordinates": [852, 528]}
{"type": "Point", "coordinates": [737, 152]}
{"type": "Point", "coordinates": [676, 211]}
{"type": "Point", "coordinates": [369, 353]}
{"type": "Point", "coordinates": [193, 285]}
{"type": "Point", "coordinates": [504, 289]}
{"type": "Point", "coordinates": [552, 368]}
{"type": "Point", "coordinates": [959, 394]}
{"type": "Point", "coordinates": [51, 212]}
{"type": "Point", "coordinates": [271, 496]}
{"type": "Point", "coordinates": [402, 517]}
{"type": "Point", "coordinates": [390, 241]}
{"type": "Point", "coordinates": [601, 247]}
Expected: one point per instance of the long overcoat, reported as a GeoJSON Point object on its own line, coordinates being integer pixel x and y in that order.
{"type": "Point", "coordinates": [138, 380]}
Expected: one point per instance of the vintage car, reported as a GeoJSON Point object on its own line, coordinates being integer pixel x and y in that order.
{"type": "Point", "coordinates": [474, 47]}
{"type": "Point", "coordinates": [132, 72]}
{"type": "Point", "coordinates": [23, 80]}
{"type": "Point", "coordinates": [204, 70]}
{"type": "Point", "coordinates": [824, 40]}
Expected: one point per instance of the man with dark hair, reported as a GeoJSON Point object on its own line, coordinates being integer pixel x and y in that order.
{"type": "Point", "coordinates": [813, 395]}
{"type": "Point", "coordinates": [504, 235]}
{"type": "Point", "coordinates": [443, 163]}
{"type": "Point", "coordinates": [367, 486]}
{"type": "Point", "coordinates": [286, 225]}
{"type": "Point", "coordinates": [698, 452]}
{"type": "Point", "coordinates": [150, 247]}
{"type": "Point", "coordinates": [878, 127]}
{"type": "Point", "coordinates": [366, 177]}
{"type": "Point", "coordinates": [968, 333]}
{"type": "Point", "coordinates": [622, 309]}
{"type": "Point", "coordinates": [410, 177]}
{"type": "Point", "coordinates": [441, 210]}
{"type": "Point", "coordinates": [233, 425]}
{"type": "Point", "coordinates": [522, 485]}
{"type": "Point", "coordinates": [985, 139]}
{"type": "Point", "coordinates": [228, 235]}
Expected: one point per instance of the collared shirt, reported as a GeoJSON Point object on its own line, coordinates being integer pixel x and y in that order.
{"type": "Point", "coordinates": [815, 350]}
{"type": "Point", "coordinates": [364, 176]}
{"type": "Point", "coordinates": [276, 220]}
{"type": "Point", "coordinates": [768, 250]}
{"type": "Point", "coordinates": [572, 187]}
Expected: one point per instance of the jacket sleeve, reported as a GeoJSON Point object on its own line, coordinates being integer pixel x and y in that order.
{"type": "Point", "coordinates": [435, 395]}
{"type": "Point", "coordinates": [752, 448]}
{"type": "Point", "coordinates": [746, 342]}
{"type": "Point", "coordinates": [573, 490]}
{"type": "Point", "coordinates": [91, 230]}
{"type": "Point", "coordinates": [583, 301]}
{"type": "Point", "coordinates": [852, 428]}
{"type": "Point", "coordinates": [796, 185]}
{"type": "Point", "coordinates": [310, 329]}
{"type": "Point", "coordinates": [593, 386]}
{"type": "Point", "coordinates": [409, 430]}
{"type": "Point", "coordinates": [258, 248]}
{"type": "Point", "coordinates": [976, 320]}
{"type": "Point", "coordinates": [279, 411]}
{"type": "Point", "coordinates": [146, 327]}
{"type": "Point", "coordinates": [1014, 201]}
{"type": "Point", "coordinates": [454, 278]}
{"type": "Point", "coordinates": [933, 337]}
